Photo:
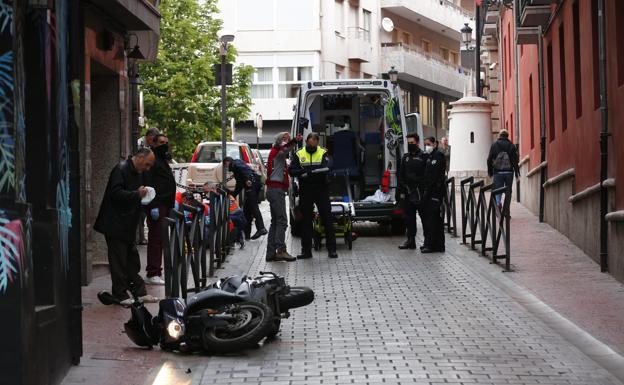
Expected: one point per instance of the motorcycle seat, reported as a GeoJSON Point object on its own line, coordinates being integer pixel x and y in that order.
{"type": "Point", "coordinates": [210, 299]}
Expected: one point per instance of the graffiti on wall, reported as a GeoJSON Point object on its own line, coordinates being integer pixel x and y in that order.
{"type": "Point", "coordinates": [11, 250]}
{"type": "Point", "coordinates": [11, 229]}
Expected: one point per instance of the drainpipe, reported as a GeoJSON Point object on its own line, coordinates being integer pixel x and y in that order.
{"type": "Point", "coordinates": [517, 92]}
{"type": "Point", "coordinates": [604, 137]}
{"type": "Point", "coordinates": [540, 48]}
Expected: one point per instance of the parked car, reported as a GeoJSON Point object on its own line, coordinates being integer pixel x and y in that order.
{"type": "Point", "coordinates": [265, 156]}
{"type": "Point", "coordinates": [206, 165]}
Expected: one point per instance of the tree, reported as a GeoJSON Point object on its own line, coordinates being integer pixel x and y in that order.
{"type": "Point", "coordinates": [179, 91]}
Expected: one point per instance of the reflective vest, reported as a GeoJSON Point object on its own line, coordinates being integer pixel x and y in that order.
{"type": "Point", "coordinates": [311, 160]}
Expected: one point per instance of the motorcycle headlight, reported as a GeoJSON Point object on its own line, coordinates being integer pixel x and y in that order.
{"type": "Point", "coordinates": [175, 329]}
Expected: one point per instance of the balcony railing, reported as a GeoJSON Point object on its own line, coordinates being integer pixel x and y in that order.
{"type": "Point", "coordinates": [534, 13]}
{"type": "Point", "coordinates": [359, 33]}
{"type": "Point", "coordinates": [427, 66]}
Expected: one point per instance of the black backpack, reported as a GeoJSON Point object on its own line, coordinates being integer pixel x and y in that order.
{"type": "Point", "coordinates": [502, 161]}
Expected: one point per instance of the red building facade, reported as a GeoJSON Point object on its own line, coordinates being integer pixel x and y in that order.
{"type": "Point", "coordinates": [566, 115]}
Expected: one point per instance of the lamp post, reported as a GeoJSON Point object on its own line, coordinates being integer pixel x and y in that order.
{"type": "Point", "coordinates": [133, 56]}
{"type": "Point", "coordinates": [225, 39]}
{"type": "Point", "coordinates": [393, 74]}
{"type": "Point", "coordinates": [466, 33]}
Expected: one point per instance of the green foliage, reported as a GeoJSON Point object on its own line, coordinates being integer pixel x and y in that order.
{"type": "Point", "coordinates": [179, 92]}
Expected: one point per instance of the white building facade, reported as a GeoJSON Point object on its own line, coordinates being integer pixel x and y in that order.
{"type": "Point", "coordinates": [289, 42]}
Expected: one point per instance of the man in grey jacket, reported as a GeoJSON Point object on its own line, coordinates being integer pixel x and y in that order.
{"type": "Point", "coordinates": [277, 186]}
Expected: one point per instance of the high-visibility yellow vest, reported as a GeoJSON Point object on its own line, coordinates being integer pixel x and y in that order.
{"type": "Point", "coordinates": [309, 160]}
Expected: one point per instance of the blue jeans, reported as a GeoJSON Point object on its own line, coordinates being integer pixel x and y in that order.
{"type": "Point", "coordinates": [504, 178]}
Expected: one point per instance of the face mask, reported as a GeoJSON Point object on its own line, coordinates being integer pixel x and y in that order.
{"type": "Point", "coordinates": [412, 147]}
{"type": "Point", "coordinates": [162, 151]}
{"type": "Point", "coordinates": [428, 149]}
{"type": "Point", "coordinates": [311, 149]}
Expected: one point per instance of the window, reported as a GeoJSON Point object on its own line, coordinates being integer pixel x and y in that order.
{"type": "Point", "coordinates": [407, 100]}
{"type": "Point", "coordinates": [578, 91]}
{"type": "Point", "coordinates": [595, 53]}
{"type": "Point", "coordinates": [454, 56]}
{"type": "Point", "coordinates": [508, 51]}
{"type": "Point", "coordinates": [426, 108]}
{"type": "Point", "coordinates": [619, 37]}
{"type": "Point", "coordinates": [426, 45]}
{"type": "Point", "coordinates": [444, 106]}
{"type": "Point", "coordinates": [562, 74]}
{"type": "Point", "coordinates": [339, 71]}
{"type": "Point", "coordinates": [551, 92]}
{"type": "Point", "coordinates": [505, 59]}
{"type": "Point", "coordinates": [444, 52]}
{"type": "Point", "coordinates": [290, 79]}
{"type": "Point", "coordinates": [407, 38]}
{"type": "Point", "coordinates": [531, 116]}
{"type": "Point", "coordinates": [262, 87]}
{"type": "Point", "coordinates": [471, 136]}
{"type": "Point", "coordinates": [366, 20]}
{"type": "Point", "coordinates": [339, 16]}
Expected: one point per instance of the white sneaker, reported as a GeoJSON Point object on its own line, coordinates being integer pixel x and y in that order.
{"type": "Point", "coordinates": [126, 302]}
{"type": "Point", "coordinates": [148, 299]}
{"type": "Point", "coordinates": [155, 280]}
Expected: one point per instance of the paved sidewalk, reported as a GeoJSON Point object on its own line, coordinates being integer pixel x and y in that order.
{"type": "Point", "coordinates": [564, 277]}
{"type": "Point", "coordinates": [385, 316]}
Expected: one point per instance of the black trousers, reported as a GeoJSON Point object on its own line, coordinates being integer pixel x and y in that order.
{"type": "Point", "coordinates": [125, 264]}
{"type": "Point", "coordinates": [433, 224]}
{"type": "Point", "coordinates": [251, 209]}
{"type": "Point", "coordinates": [410, 217]}
{"type": "Point", "coordinates": [307, 199]}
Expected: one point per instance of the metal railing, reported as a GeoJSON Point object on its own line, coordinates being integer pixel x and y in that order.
{"type": "Point", "coordinates": [192, 246]}
{"type": "Point", "coordinates": [485, 221]}
{"type": "Point", "coordinates": [449, 208]}
{"type": "Point", "coordinates": [438, 59]}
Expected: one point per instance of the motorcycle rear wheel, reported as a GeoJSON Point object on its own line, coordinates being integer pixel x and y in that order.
{"type": "Point", "coordinates": [297, 297]}
{"type": "Point", "coordinates": [255, 321]}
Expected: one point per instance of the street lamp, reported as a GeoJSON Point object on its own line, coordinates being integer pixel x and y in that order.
{"type": "Point", "coordinates": [224, 39]}
{"type": "Point", "coordinates": [466, 33]}
{"type": "Point", "coordinates": [133, 56]}
{"type": "Point", "coordinates": [393, 74]}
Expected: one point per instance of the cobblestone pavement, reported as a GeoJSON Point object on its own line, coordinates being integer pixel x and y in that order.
{"type": "Point", "coordinates": [384, 316]}
{"type": "Point", "coordinates": [381, 316]}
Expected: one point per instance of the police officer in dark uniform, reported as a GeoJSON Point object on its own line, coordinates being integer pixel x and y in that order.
{"type": "Point", "coordinates": [434, 190]}
{"type": "Point", "coordinates": [411, 179]}
{"type": "Point", "coordinates": [311, 167]}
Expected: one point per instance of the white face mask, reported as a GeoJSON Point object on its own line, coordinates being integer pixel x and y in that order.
{"type": "Point", "coordinates": [428, 149]}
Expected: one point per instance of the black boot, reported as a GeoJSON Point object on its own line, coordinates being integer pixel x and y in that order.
{"type": "Point", "coordinates": [305, 255]}
{"type": "Point", "coordinates": [409, 244]}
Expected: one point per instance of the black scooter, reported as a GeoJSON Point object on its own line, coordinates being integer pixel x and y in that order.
{"type": "Point", "coordinates": [233, 314]}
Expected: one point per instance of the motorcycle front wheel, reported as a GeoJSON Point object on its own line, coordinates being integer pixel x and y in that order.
{"type": "Point", "coordinates": [252, 322]}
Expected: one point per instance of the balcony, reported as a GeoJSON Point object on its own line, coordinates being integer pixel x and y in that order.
{"type": "Point", "coordinates": [359, 45]}
{"type": "Point", "coordinates": [133, 15]}
{"type": "Point", "coordinates": [424, 69]}
{"type": "Point", "coordinates": [441, 16]}
{"type": "Point", "coordinates": [535, 13]}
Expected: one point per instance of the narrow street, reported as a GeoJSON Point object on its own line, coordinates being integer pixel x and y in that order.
{"type": "Point", "coordinates": [381, 316]}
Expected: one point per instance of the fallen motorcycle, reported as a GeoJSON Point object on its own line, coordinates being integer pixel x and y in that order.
{"type": "Point", "coordinates": [233, 314]}
{"type": "Point", "coordinates": [271, 290]}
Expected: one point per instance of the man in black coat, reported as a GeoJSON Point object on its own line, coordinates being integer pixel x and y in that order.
{"type": "Point", "coordinates": [161, 178]}
{"type": "Point", "coordinates": [434, 190]}
{"type": "Point", "coordinates": [411, 183]}
{"type": "Point", "coordinates": [118, 220]}
{"type": "Point", "coordinates": [247, 179]}
{"type": "Point", "coordinates": [503, 164]}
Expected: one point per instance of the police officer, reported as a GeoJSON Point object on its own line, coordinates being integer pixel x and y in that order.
{"type": "Point", "coordinates": [311, 166]}
{"type": "Point", "coordinates": [411, 178]}
{"type": "Point", "coordinates": [434, 190]}
{"type": "Point", "coordinates": [247, 179]}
